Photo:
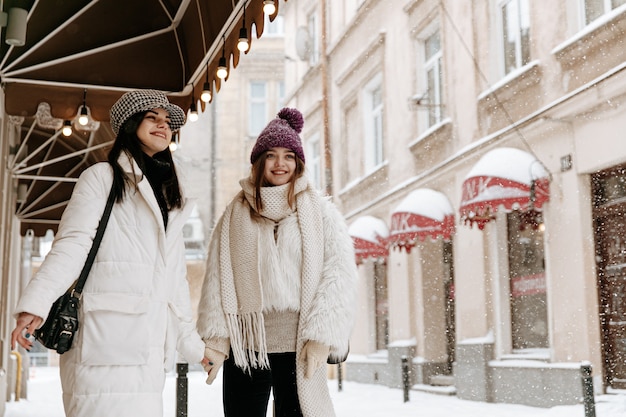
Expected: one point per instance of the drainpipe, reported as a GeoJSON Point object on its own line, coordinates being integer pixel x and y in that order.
{"type": "Point", "coordinates": [328, 165]}
{"type": "Point", "coordinates": [18, 375]}
{"type": "Point", "coordinates": [9, 284]}
{"type": "Point", "coordinates": [213, 161]}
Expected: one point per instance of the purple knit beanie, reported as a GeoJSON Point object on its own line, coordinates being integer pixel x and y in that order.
{"type": "Point", "coordinates": [282, 132]}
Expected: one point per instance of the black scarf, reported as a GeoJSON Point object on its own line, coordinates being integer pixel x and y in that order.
{"type": "Point", "coordinates": [158, 171]}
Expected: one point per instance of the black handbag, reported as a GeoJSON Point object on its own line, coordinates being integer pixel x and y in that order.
{"type": "Point", "coordinates": [57, 333]}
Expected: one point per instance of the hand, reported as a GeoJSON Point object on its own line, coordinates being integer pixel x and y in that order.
{"type": "Point", "coordinates": [24, 329]}
{"type": "Point", "coordinates": [314, 355]}
{"type": "Point", "coordinates": [212, 363]}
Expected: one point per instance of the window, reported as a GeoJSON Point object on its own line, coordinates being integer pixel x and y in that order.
{"type": "Point", "coordinates": [281, 95]}
{"type": "Point", "coordinates": [373, 125]}
{"type": "Point", "coordinates": [448, 282]}
{"type": "Point", "coordinates": [529, 314]}
{"type": "Point", "coordinates": [314, 160]}
{"type": "Point", "coordinates": [314, 56]}
{"type": "Point", "coordinates": [351, 143]}
{"type": "Point", "coordinates": [593, 9]}
{"type": "Point", "coordinates": [275, 28]}
{"type": "Point", "coordinates": [258, 107]}
{"type": "Point", "coordinates": [433, 79]}
{"type": "Point", "coordinates": [381, 299]}
{"type": "Point", "coordinates": [515, 34]}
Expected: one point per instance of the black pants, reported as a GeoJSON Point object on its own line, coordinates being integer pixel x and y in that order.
{"type": "Point", "coordinates": [247, 395]}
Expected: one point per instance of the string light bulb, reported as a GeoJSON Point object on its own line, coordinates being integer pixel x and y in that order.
{"type": "Point", "coordinates": [193, 111]}
{"type": "Point", "coordinates": [222, 71]}
{"type": "Point", "coordinates": [83, 119]}
{"type": "Point", "coordinates": [206, 93]}
{"type": "Point", "coordinates": [269, 7]}
{"type": "Point", "coordinates": [242, 43]}
{"type": "Point", "coordinates": [174, 143]}
{"type": "Point", "coordinates": [67, 128]}
{"type": "Point", "coordinates": [206, 96]}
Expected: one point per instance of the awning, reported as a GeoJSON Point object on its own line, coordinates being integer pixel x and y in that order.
{"type": "Point", "coordinates": [423, 213]}
{"type": "Point", "coordinates": [370, 238]}
{"type": "Point", "coordinates": [109, 47]}
{"type": "Point", "coordinates": [504, 178]}
{"type": "Point", "coordinates": [91, 52]}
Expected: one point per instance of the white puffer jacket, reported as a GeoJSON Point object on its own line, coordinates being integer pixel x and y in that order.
{"type": "Point", "coordinates": [135, 308]}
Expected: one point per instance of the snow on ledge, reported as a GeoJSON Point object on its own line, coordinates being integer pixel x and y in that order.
{"type": "Point", "coordinates": [528, 363]}
{"type": "Point", "coordinates": [488, 338]}
{"type": "Point", "coordinates": [403, 343]}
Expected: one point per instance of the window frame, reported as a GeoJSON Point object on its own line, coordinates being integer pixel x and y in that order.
{"type": "Point", "coordinates": [275, 28]}
{"type": "Point", "coordinates": [280, 95]}
{"type": "Point", "coordinates": [253, 101]}
{"type": "Point", "coordinates": [380, 281]}
{"type": "Point", "coordinates": [524, 283]}
{"type": "Point", "coordinates": [314, 159]}
{"type": "Point", "coordinates": [314, 38]}
{"type": "Point", "coordinates": [520, 59]}
{"type": "Point", "coordinates": [374, 136]}
{"type": "Point", "coordinates": [607, 7]}
{"type": "Point", "coordinates": [435, 99]}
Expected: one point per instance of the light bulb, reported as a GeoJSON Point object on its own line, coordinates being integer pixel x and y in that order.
{"type": "Point", "coordinates": [67, 128]}
{"type": "Point", "coordinates": [269, 7]}
{"type": "Point", "coordinates": [193, 112]}
{"type": "Point", "coordinates": [206, 95]}
{"type": "Point", "coordinates": [222, 72]}
{"type": "Point", "coordinates": [83, 119]}
{"type": "Point", "coordinates": [242, 44]}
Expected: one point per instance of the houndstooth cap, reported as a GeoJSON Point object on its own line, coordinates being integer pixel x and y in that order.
{"type": "Point", "coordinates": [143, 100]}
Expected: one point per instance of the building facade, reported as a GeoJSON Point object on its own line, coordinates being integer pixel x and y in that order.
{"type": "Point", "coordinates": [475, 149]}
{"type": "Point", "coordinates": [214, 151]}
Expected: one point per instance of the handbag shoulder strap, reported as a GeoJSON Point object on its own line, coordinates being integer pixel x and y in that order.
{"type": "Point", "coordinates": [80, 283]}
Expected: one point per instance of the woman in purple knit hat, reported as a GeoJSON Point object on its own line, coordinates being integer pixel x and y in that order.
{"type": "Point", "coordinates": [278, 298]}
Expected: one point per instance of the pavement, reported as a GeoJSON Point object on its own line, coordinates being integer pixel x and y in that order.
{"type": "Point", "coordinates": [355, 399]}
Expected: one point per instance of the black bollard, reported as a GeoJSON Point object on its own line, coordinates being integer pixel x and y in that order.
{"type": "Point", "coordinates": [588, 400]}
{"type": "Point", "coordinates": [181, 389]}
{"type": "Point", "coordinates": [339, 378]}
{"type": "Point", "coordinates": [405, 377]}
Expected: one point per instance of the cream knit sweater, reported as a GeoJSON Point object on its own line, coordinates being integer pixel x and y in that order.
{"type": "Point", "coordinates": [327, 298]}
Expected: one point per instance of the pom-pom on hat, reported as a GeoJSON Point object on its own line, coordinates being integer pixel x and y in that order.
{"type": "Point", "coordinates": [282, 132]}
{"type": "Point", "coordinates": [143, 100]}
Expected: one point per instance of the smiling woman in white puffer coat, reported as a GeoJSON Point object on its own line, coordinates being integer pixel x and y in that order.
{"type": "Point", "coordinates": [135, 310]}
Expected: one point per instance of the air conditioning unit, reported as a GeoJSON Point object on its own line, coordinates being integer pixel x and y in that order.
{"type": "Point", "coordinates": [193, 235]}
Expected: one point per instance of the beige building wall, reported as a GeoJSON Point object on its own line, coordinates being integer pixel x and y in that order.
{"type": "Point", "coordinates": [565, 101]}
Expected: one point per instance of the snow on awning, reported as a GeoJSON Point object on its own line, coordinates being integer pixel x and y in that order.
{"type": "Point", "coordinates": [506, 178]}
{"type": "Point", "coordinates": [370, 238]}
{"type": "Point", "coordinates": [423, 213]}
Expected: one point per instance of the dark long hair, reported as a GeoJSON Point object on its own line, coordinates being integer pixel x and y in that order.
{"type": "Point", "coordinates": [257, 174]}
{"type": "Point", "coordinates": [128, 142]}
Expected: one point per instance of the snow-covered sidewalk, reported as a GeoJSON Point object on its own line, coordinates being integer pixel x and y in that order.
{"type": "Point", "coordinates": [44, 399]}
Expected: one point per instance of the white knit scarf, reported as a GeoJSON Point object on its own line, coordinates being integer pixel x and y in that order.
{"type": "Point", "coordinates": [239, 261]}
